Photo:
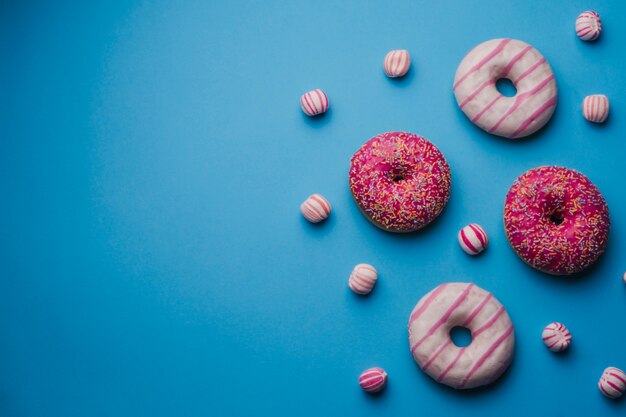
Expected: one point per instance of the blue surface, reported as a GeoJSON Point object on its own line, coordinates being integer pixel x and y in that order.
{"type": "Point", "coordinates": [153, 258]}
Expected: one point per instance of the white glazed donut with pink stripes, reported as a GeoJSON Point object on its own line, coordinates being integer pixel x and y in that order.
{"type": "Point", "coordinates": [612, 382]}
{"type": "Point", "coordinates": [315, 208]}
{"type": "Point", "coordinates": [363, 278]}
{"type": "Point", "coordinates": [473, 239]}
{"type": "Point", "coordinates": [511, 117]}
{"type": "Point", "coordinates": [556, 337]}
{"type": "Point", "coordinates": [588, 26]}
{"type": "Point", "coordinates": [467, 305]}
{"type": "Point", "coordinates": [314, 102]}
{"type": "Point", "coordinates": [596, 108]}
{"type": "Point", "coordinates": [397, 63]}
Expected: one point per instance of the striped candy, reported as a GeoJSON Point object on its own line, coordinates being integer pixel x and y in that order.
{"type": "Point", "coordinates": [624, 277]}
{"type": "Point", "coordinates": [397, 63]}
{"type": "Point", "coordinates": [314, 102]}
{"type": "Point", "coordinates": [556, 337]}
{"type": "Point", "coordinates": [613, 382]}
{"type": "Point", "coordinates": [362, 279]}
{"type": "Point", "coordinates": [373, 380]}
{"type": "Point", "coordinates": [473, 239]}
{"type": "Point", "coordinates": [596, 108]}
{"type": "Point", "coordinates": [588, 26]}
{"type": "Point", "coordinates": [315, 208]}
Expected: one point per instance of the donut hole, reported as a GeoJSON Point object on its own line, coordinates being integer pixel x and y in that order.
{"type": "Point", "coordinates": [461, 336]}
{"type": "Point", "coordinates": [397, 174]}
{"type": "Point", "coordinates": [556, 218]}
{"type": "Point", "coordinates": [506, 87]}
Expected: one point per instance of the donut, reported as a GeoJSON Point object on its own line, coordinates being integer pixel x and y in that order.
{"type": "Point", "coordinates": [397, 63]}
{"type": "Point", "coordinates": [314, 102]}
{"type": "Point", "coordinates": [596, 108]}
{"type": "Point", "coordinates": [461, 304]}
{"type": "Point", "coordinates": [612, 383]}
{"type": "Point", "coordinates": [511, 117]}
{"type": "Point", "coordinates": [556, 337]}
{"type": "Point", "coordinates": [473, 239]}
{"type": "Point", "coordinates": [399, 181]}
{"type": "Point", "coordinates": [556, 220]}
{"type": "Point", "coordinates": [362, 279]}
{"type": "Point", "coordinates": [315, 208]}
{"type": "Point", "coordinates": [588, 25]}
{"type": "Point", "coordinates": [373, 380]}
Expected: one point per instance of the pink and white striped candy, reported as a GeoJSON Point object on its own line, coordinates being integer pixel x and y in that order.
{"type": "Point", "coordinates": [556, 337]}
{"type": "Point", "coordinates": [373, 380]}
{"type": "Point", "coordinates": [596, 108]}
{"type": "Point", "coordinates": [315, 208]}
{"type": "Point", "coordinates": [473, 239]}
{"type": "Point", "coordinates": [362, 279]}
{"type": "Point", "coordinates": [397, 63]}
{"type": "Point", "coordinates": [314, 102]}
{"type": "Point", "coordinates": [588, 25]}
{"type": "Point", "coordinates": [613, 382]}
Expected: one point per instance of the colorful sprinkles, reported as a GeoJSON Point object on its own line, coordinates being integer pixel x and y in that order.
{"type": "Point", "coordinates": [400, 181]}
{"type": "Point", "coordinates": [556, 220]}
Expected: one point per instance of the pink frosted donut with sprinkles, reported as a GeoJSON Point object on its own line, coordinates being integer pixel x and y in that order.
{"type": "Point", "coordinates": [473, 239]}
{"type": "Point", "coordinates": [397, 63]}
{"type": "Point", "coordinates": [315, 208]}
{"type": "Point", "coordinates": [466, 305]}
{"type": "Point", "coordinates": [373, 380]}
{"type": "Point", "coordinates": [511, 117]}
{"type": "Point", "coordinates": [596, 108]}
{"type": "Point", "coordinates": [400, 181]}
{"type": "Point", "coordinates": [612, 382]}
{"type": "Point", "coordinates": [588, 26]}
{"type": "Point", "coordinates": [556, 220]}
{"type": "Point", "coordinates": [363, 278]}
{"type": "Point", "coordinates": [556, 337]}
{"type": "Point", "coordinates": [314, 102]}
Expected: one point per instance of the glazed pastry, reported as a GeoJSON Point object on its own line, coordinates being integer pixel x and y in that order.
{"type": "Point", "coordinates": [511, 117]}
{"type": "Point", "coordinates": [465, 305]}
{"type": "Point", "coordinates": [400, 181]}
{"type": "Point", "coordinates": [556, 220]}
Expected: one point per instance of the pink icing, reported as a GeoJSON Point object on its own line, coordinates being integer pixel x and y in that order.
{"type": "Point", "coordinates": [400, 181]}
{"type": "Point", "coordinates": [556, 220]}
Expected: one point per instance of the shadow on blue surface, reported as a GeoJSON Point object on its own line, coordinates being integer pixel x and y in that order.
{"type": "Point", "coordinates": [401, 82]}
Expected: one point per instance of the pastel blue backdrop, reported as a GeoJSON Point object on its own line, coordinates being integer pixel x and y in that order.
{"type": "Point", "coordinates": [153, 260]}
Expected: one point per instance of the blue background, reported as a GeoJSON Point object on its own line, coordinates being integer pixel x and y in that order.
{"type": "Point", "coordinates": [153, 259]}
